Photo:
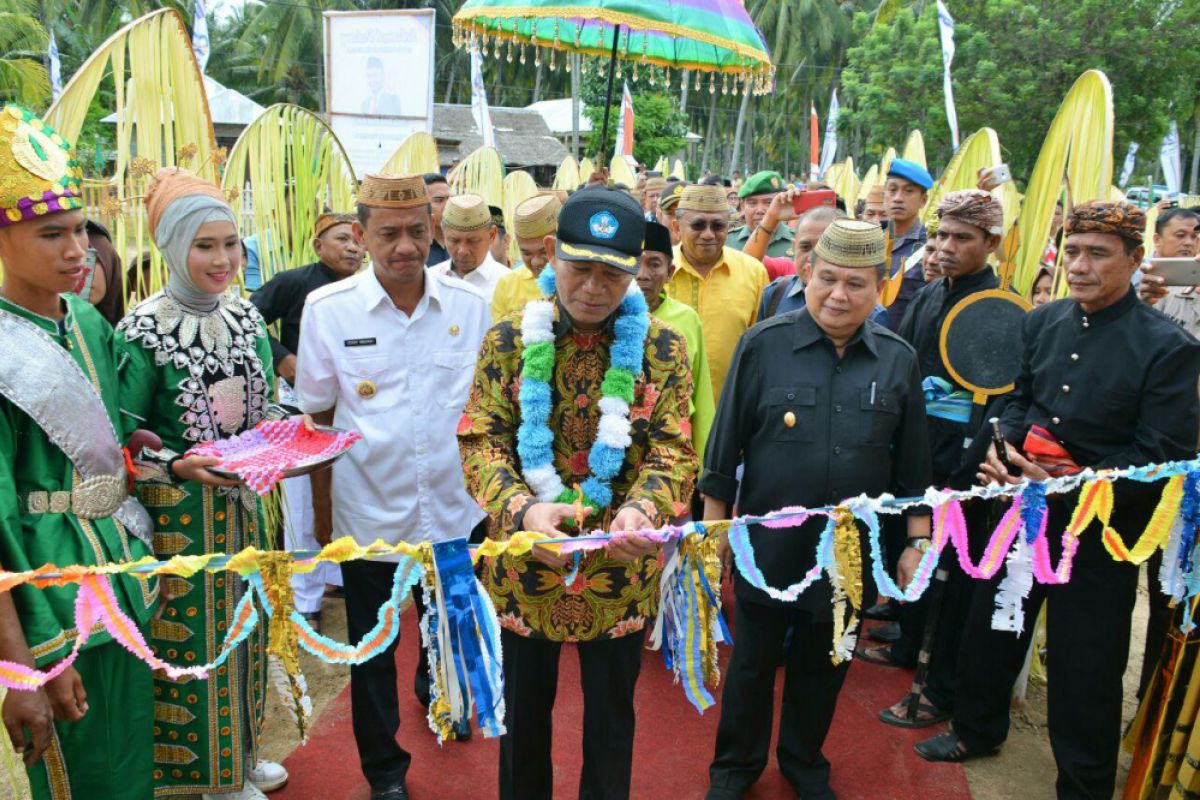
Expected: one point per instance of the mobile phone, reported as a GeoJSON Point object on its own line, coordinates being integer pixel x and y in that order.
{"type": "Point", "coordinates": [999, 173]}
{"type": "Point", "coordinates": [806, 201]}
{"type": "Point", "coordinates": [1001, 448]}
{"type": "Point", "coordinates": [1177, 271]}
{"type": "Point", "coordinates": [83, 287]}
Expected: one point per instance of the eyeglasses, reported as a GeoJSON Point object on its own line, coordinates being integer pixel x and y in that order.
{"type": "Point", "coordinates": [715, 225]}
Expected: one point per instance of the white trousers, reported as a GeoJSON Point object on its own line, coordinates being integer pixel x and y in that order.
{"type": "Point", "coordinates": [309, 587]}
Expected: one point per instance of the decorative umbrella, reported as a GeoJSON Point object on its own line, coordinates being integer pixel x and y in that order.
{"type": "Point", "coordinates": [713, 36]}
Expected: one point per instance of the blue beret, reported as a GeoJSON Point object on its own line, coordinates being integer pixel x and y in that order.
{"type": "Point", "coordinates": [910, 171]}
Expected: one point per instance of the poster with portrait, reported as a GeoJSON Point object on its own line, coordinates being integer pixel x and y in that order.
{"type": "Point", "coordinates": [378, 80]}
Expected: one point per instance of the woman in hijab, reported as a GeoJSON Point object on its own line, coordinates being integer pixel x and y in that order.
{"type": "Point", "coordinates": [195, 366]}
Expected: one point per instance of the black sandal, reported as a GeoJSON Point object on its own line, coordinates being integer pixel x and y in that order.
{"type": "Point", "coordinates": [936, 716]}
{"type": "Point", "coordinates": [948, 748]}
{"type": "Point", "coordinates": [885, 634]}
{"type": "Point", "coordinates": [880, 656]}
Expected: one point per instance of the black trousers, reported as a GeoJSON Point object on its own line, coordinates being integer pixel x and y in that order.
{"type": "Point", "coordinates": [941, 681]}
{"type": "Point", "coordinates": [1087, 636]}
{"type": "Point", "coordinates": [608, 672]}
{"type": "Point", "coordinates": [810, 693]}
{"type": "Point", "coordinates": [374, 700]}
{"type": "Point", "coordinates": [1158, 622]}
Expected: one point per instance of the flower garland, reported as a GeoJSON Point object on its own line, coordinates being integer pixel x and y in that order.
{"type": "Point", "coordinates": [534, 437]}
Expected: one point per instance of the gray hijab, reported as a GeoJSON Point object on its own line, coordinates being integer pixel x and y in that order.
{"type": "Point", "coordinates": [174, 236]}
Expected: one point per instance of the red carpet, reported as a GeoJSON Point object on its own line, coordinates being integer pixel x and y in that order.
{"type": "Point", "coordinates": [674, 744]}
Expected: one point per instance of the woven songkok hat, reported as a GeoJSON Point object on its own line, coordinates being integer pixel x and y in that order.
{"type": "Point", "coordinates": [327, 221]}
{"type": "Point", "coordinates": [536, 217]}
{"type": "Point", "coordinates": [393, 191]}
{"type": "Point", "coordinates": [852, 243]}
{"type": "Point", "coordinates": [38, 171]}
{"type": "Point", "coordinates": [466, 212]}
{"type": "Point", "coordinates": [708, 199]}
{"type": "Point", "coordinates": [658, 184]}
{"type": "Point", "coordinates": [875, 194]}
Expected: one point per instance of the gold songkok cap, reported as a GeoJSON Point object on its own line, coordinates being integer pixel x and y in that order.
{"type": "Point", "coordinates": [329, 220]}
{"type": "Point", "coordinates": [38, 171]}
{"type": "Point", "coordinates": [709, 199]}
{"type": "Point", "coordinates": [852, 243]}
{"type": "Point", "coordinates": [655, 184]}
{"type": "Point", "coordinates": [393, 191]}
{"type": "Point", "coordinates": [875, 194]}
{"type": "Point", "coordinates": [466, 212]}
{"type": "Point", "coordinates": [536, 217]}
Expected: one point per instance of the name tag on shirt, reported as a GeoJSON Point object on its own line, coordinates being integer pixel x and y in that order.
{"type": "Point", "coordinates": [359, 342]}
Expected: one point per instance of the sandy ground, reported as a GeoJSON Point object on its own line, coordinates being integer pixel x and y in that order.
{"type": "Point", "coordinates": [1024, 768]}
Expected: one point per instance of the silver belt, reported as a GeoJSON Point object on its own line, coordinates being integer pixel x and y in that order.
{"type": "Point", "coordinates": [95, 498]}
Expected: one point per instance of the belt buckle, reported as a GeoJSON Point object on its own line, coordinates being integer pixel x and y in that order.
{"type": "Point", "coordinates": [98, 497]}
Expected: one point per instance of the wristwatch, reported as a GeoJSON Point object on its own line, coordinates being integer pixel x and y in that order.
{"type": "Point", "coordinates": [919, 543]}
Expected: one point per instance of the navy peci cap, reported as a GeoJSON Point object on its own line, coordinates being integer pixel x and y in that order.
{"type": "Point", "coordinates": [601, 225]}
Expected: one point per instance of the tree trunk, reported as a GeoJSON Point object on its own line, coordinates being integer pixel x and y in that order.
{"type": "Point", "coordinates": [711, 130]}
{"type": "Point", "coordinates": [683, 90]}
{"type": "Point", "coordinates": [1194, 183]}
{"type": "Point", "coordinates": [450, 80]}
{"type": "Point", "coordinates": [537, 83]}
{"type": "Point", "coordinates": [575, 66]}
{"type": "Point", "coordinates": [737, 134]}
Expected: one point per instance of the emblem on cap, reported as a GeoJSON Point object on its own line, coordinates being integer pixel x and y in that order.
{"type": "Point", "coordinates": [774, 183]}
{"type": "Point", "coordinates": [366, 389]}
{"type": "Point", "coordinates": [603, 225]}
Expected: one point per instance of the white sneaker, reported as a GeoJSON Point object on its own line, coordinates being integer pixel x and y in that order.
{"type": "Point", "coordinates": [267, 776]}
{"type": "Point", "coordinates": [248, 792]}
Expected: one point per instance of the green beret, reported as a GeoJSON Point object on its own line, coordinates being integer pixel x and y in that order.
{"type": "Point", "coordinates": [765, 182]}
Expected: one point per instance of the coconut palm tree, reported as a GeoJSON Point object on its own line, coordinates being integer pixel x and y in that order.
{"type": "Point", "coordinates": [23, 43]}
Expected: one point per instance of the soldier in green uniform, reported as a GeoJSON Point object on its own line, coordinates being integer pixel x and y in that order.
{"type": "Point", "coordinates": [195, 366]}
{"type": "Point", "coordinates": [756, 195]}
{"type": "Point", "coordinates": [64, 486]}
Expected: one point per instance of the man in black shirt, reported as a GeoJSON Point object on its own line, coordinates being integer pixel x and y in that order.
{"type": "Point", "coordinates": [1106, 382]}
{"type": "Point", "coordinates": [820, 405]}
{"type": "Point", "coordinates": [969, 228]}
{"type": "Point", "coordinates": [439, 192]}
{"type": "Point", "coordinates": [281, 299]}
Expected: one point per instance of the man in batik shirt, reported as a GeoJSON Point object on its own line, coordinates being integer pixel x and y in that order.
{"type": "Point", "coordinates": [526, 485]}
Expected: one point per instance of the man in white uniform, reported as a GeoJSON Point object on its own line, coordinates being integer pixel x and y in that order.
{"type": "Point", "coordinates": [390, 353]}
{"type": "Point", "coordinates": [468, 232]}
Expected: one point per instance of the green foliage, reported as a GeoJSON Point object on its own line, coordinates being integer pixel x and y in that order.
{"type": "Point", "coordinates": [23, 40]}
{"type": "Point", "coordinates": [1015, 61]}
{"type": "Point", "coordinates": [658, 124]}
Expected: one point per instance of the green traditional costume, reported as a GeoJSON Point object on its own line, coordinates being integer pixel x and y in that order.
{"type": "Point", "coordinates": [64, 492]}
{"type": "Point", "coordinates": [195, 376]}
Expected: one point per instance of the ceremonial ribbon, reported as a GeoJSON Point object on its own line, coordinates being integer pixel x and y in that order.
{"type": "Point", "coordinates": [944, 401]}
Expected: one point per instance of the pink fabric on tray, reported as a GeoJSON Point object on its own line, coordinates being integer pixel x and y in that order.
{"type": "Point", "coordinates": [260, 456]}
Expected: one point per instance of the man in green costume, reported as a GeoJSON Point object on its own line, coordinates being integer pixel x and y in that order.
{"type": "Point", "coordinates": [64, 488]}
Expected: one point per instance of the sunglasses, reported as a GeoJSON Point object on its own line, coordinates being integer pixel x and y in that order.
{"type": "Point", "coordinates": [715, 225]}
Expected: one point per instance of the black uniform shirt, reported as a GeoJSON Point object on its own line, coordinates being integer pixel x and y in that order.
{"type": "Point", "coordinates": [922, 328]}
{"type": "Point", "coordinates": [281, 299]}
{"type": "Point", "coordinates": [1117, 387]}
{"type": "Point", "coordinates": [859, 426]}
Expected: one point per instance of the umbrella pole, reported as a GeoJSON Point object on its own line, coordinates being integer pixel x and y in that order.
{"type": "Point", "coordinates": [612, 70]}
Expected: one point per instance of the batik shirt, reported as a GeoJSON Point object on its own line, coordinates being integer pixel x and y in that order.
{"type": "Point", "coordinates": [608, 598]}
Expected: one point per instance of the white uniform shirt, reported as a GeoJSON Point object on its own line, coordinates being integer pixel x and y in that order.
{"type": "Point", "coordinates": [484, 277]}
{"type": "Point", "coordinates": [402, 383]}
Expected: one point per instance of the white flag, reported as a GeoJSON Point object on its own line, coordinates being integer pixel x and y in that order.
{"type": "Point", "coordinates": [56, 85]}
{"type": "Point", "coordinates": [479, 104]}
{"type": "Point", "coordinates": [200, 35]}
{"type": "Point", "coordinates": [946, 27]}
{"type": "Point", "coordinates": [1127, 169]}
{"type": "Point", "coordinates": [1169, 157]}
{"type": "Point", "coordinates": [829, 149]}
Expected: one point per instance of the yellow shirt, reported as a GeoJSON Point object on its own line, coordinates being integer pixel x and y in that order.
{"type": "Point", "coordinates": [727, 301]}
{"type": "Point", "coordinates": [513, 291]}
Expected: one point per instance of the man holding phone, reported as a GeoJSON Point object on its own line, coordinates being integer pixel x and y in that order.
{"type": "Point", "coordinates": [755, 196]}
{"type": "Point", "coordinates": [1176, 235]}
